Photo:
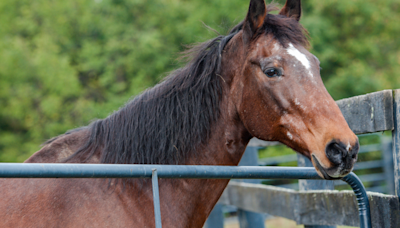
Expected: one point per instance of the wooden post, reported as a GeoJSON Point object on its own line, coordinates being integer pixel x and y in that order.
{"type": "Point", "coordinates": [248, 219]}
{"type": "Point", "coordinates": [396, 140]}
{"type": "Point", "coordinates": [216, 218]}
{"type": "Point", "coordinates": [387, 157]}
{"type": "Point", "coordinates": [302, 161]}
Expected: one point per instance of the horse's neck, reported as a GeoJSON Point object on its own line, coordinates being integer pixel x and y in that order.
{"type": "Point", "coordinates": [229, 135]}
{"type": "Point", "coordinates": [226, 146]}
{"type": "Point", "coordinates": [189, 200]}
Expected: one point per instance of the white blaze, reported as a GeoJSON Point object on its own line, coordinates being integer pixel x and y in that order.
{"type": "Point", "coordinates": [299, 56]}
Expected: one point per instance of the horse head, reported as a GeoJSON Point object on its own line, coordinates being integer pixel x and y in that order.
{"type": "Point", "coordinates": [278, 93]}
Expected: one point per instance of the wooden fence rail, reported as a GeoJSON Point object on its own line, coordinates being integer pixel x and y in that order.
{"type": "Point", "coordinates": [320, 207]}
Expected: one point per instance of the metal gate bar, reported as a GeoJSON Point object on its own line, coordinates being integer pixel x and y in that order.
{"type": "Point", "coordinates": [156, 198]}
{"type": "Point", "coordinates": [48, 170]}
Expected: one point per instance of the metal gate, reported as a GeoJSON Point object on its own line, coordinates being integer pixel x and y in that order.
{"type": "Point", "coordinates": [48, 170]}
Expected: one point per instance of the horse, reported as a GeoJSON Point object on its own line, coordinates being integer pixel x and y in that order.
{"type": "Point", "coordinates": [259, 81]}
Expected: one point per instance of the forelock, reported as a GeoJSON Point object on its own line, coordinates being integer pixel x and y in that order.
{"type": "Point", "coordinates": [285, 30]}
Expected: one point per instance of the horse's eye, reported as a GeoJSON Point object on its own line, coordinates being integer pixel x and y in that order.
{"type": "Point", "coordinates": [273, 72]}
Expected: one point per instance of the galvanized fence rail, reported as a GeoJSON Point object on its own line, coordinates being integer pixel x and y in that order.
{"type": "Point", "coordinates": [15, 170]}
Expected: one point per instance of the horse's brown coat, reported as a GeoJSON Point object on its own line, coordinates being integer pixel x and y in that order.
{"type": "Point", "coordinates": [294, 108]}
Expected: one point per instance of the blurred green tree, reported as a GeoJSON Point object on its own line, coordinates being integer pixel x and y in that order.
{"type": "Point", "coordinates": [64, 63]}
{"type": "Point", "coordinates": [357, 43]}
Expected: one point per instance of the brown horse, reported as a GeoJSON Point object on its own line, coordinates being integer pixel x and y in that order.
{"type": "Point", "coordinates": [259, 81]}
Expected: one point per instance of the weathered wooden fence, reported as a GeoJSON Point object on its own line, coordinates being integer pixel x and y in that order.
{"type": "Point", "coordinates": [317, 204]}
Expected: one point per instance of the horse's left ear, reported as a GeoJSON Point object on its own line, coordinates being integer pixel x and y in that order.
{"type": "Point", "coordinates": [254, 19]}
{"type": "Point", "coordinates": [292, 9]}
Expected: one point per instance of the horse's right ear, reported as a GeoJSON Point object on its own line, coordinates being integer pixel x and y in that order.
{"type": "Point", "coordinates": [254, 19]}
{"type": "Point", "coordinates": [292, 9]}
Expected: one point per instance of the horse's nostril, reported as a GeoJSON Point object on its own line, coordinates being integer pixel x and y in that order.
{"type": "Point", "coordinates": [336, 152]}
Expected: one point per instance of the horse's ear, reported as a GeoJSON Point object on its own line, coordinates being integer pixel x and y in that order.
{"type": "Point", "coordinates": [254, 19]}
{"type": "Point", "coordinates": [292, 9]}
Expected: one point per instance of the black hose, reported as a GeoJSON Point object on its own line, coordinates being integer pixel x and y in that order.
{"type": "Point", "coordinates": [362, 199]}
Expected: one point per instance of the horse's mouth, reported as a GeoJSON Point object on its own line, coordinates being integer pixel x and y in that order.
{"type": "Point", "coordinates": [324, 172]}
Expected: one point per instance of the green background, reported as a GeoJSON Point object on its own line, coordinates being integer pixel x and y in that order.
{"type": "Point", "coordinates": [65, 63]}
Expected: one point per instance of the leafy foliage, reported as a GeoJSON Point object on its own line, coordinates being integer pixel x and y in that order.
{"type": "Point", "coordinates": [356, 44]}
{"type": "Point", "coordinates": [64, 63]}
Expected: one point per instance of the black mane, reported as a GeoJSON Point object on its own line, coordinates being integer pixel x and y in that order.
{"type": "Point", "coordinates": [168, 122]}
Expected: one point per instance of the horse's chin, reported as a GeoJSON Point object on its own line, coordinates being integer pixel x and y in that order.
{"type": "Point", "coordinates": [327, 173]}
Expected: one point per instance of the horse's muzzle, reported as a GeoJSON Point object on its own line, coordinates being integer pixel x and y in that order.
{"type": "Point", "coordinates": [341, 157]}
